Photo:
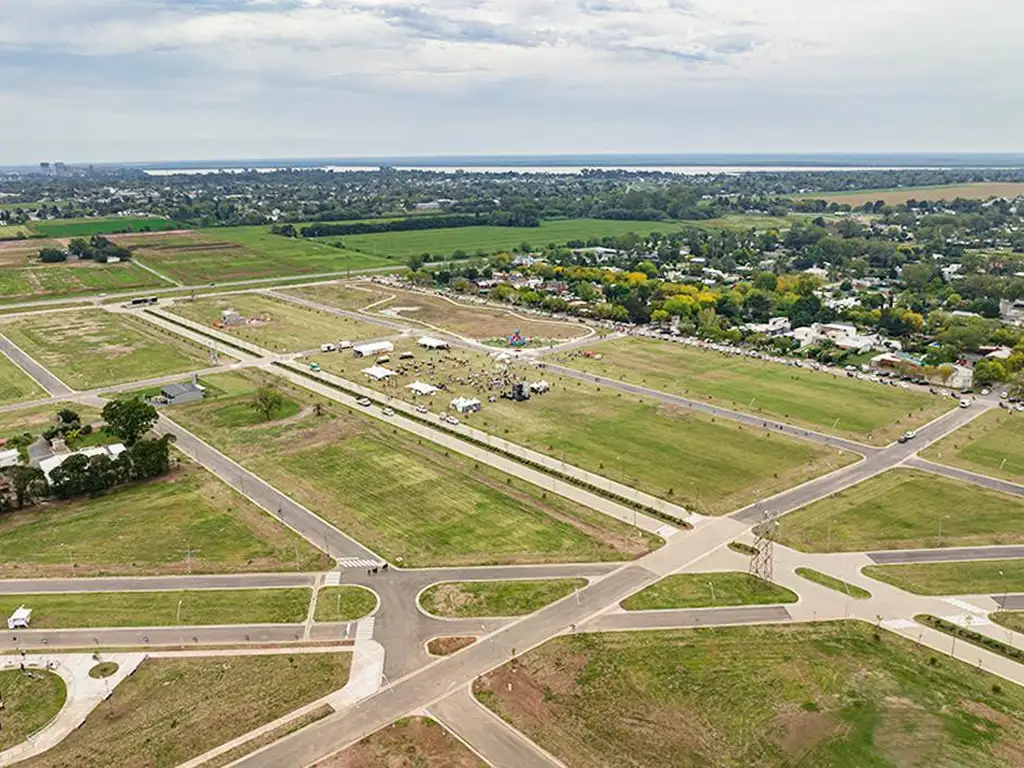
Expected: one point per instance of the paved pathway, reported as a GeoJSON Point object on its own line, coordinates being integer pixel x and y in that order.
{"type": "Point", "coordinates": [893, 557]}
{"type": "Point", "coordinates": [965, 476]}
{"type": "Point", "coordinates": [53, 386]}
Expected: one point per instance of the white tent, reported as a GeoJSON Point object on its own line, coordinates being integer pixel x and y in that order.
{"type": "Point", "coordinates": [466, 404]}
{"type": "Point", "coordinates": [429, 342]}
{"type": "Point", "coordinates": [9, 458]}
{"type": "Point", "coordinates": [422, 389]}
{"type": "Point", "coordinates": [378, 373]}
{"type": "Point", "coordinates": [373, 348]}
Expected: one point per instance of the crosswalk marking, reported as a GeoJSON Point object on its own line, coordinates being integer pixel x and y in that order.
{"type": "Point", "coordinates": [364, 629]}
{"type": "Point", "coordinates": [667, 530]}
{"type": "Point", "coordinates": [357, 562]}
{"type": "Point", "coordinates": [968, 620]}
{"type": "Point", "coordinates": [964, 606]}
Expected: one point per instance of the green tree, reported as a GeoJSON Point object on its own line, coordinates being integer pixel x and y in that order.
{"type": "Point", "coordinates": [129, 419]}
{"type": "Point", "coordinates": [989, 372]}
{"type": "Point", "coordinates": [28, 484]}
{"type": "Point", "coordinates": [415, 262]}
{"type": "Point", "coordinates": [267, 402]}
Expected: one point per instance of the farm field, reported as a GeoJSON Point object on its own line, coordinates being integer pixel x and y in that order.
{"type": "Point", "coordinates": [435, 312]}
{"type": "Point", "coordinates": [171, 710]}
{"type": "Point", "coordinates": [993, 577]}
{"type": "Point", "coordinates": [495, 598]}
{"type": "Point", "coordinates": [824, 694]}
{"type": "Point", "coordinates": [30, 702]}
{"type": "Point", "coordinates": [161, 609]}
{"type": "Point", "coordinates": [14, 231]}
{"type": "Point", "coordinates": [100, 226]}
{"type": "Point", "coordinates": [444, 242]}
{"type": "Point", "coordinates": [839, 405]}
{"type": "Point", "coordinates": [290, 327]}
{"type": "Point", "coordinates": [155, 524]}
{"type": "Point", "coordinates": [95, 348]}
{"type": "Point", "coordinates": [710, 466]}
{"type": "Point", "coordinates": [15, 384]}
{"type": "Point", "coordinates": [704, 590]}
{"type": "Point", "coordinates": [905, 509]}
{"type": "Point", "coordinates": [409, 501]}
{"type": "Point", "coordinates": [49, 281]}
{"type": "Point", "coordinates": [992, 444]}
{"type": "Point", "coordinates": [344, 603]}
{"type": "Point", "coordinates": [413, 742]}
{"type": "Point", "coordinates": [970, 191]}
{"type": "Point", "coordinates": [239, 253]}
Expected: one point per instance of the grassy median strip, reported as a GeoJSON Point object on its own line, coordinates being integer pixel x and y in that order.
{"type": "Point", "coordinates": [30, 702]}
{"type": "Point", "coordinates": [344, 603]}
{"type": "Point", "coordinates": [162, 609]}
{"type": "Point", "coordinates": [1012, 620]}
{"type": "Point", "coordinates": [705, 590]}
{"type": "Point", "coordinates": [172, 710]}
{"type": "Point", "coordinates": [956, 578]}
{"type": "Point", "coordinates": [969, 635]}
{"type": "Point", "coordinates": [495, 598]}
{"type": "Point", "coordinates": [833, 583]}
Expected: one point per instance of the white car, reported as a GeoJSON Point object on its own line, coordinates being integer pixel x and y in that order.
{"type": "Point", "coordinates": [421, 409]}
{"type": "Point", "coordinates": [364, 401]}
{"type": "Point", "coordinates": [965, 403]}
{"type": "Point", "coordinates": [388, 412]}
{"type": "Point", "coordinates": [453, 421]}
{"type": "Point", "coordinates": [907, 436]}
{"type": "Point", "coordinates": [984, 392]}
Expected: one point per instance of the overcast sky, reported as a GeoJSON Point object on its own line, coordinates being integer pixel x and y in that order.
{"type": "Point", "coordinates": [124, 80]}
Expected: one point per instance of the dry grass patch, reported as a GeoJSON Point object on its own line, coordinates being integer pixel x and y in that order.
{"type": "Point", "coordinates": [413, 742]}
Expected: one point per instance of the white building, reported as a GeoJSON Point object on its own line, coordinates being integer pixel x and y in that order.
{"type": "Point", "coordinates": [9, 458]}
{"type": "Point", "coordinates": [50, 463]}
{"type": "Point", "coordinates": [373, 348]}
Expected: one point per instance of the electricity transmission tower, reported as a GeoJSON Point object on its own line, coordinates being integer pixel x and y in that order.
{"type": "Point", "coordinates": [762, 562]}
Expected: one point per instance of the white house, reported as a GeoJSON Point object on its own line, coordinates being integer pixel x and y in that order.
{"type": "Point", "coordinates": [50, 463]}
{"type": "Point", "coordinates": [373, 348]}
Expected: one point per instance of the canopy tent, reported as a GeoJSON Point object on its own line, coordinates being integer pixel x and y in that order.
{"type": "Point", "coordinates": [378, 373]}
{"type": "Point", "coordinates": [422, 389]}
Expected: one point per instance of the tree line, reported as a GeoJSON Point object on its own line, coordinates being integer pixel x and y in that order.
{"type": "Point", "coordinates": [97, 248]}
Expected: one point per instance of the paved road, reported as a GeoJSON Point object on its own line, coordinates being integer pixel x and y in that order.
{"type": "Point", "coordinates": [53, 386]}
{"type": "Point", "coordinates": [158, 583]}
{"type": "Point", "coordinates": [950, 554]}
{"type": "Point", "coordinates": [965, 476]}
{"type": "Point", "coordinates": [687, 618]}
{"type": "Point", "coordinates": [1010, 602]}
{"type": "Point", "coordinates": [490, 737]}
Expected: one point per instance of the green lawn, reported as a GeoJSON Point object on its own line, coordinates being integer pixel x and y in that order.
{"type": "Point", "coordinates": [444, 242]}
{"type": "Point", "coordinates": [160, 609]}
{"type": "Point", "coordinates": [95, 348]}
{"type": "Point", "coordinates": [459, 599]}
{"type": "Point", "coordinates": [147, 529]}
{"type": "Point", "coordinates": [344, 603]}
{"type": "Point", "coordinates": [286, 328]}
{"type": "Point", "coordinates": [49, 281]}
{"type": "Point", "coordinates": [404, 498]}
{"type": "Point", "coordinates": [101, 226]}
{"type": "Point", "coordinates": [15, 384]}
{"type": "Point", "coordinates": [905, 509]}
{"type": "Point", "coordinates": [172, 710]}
{"type": "Point", "coordinates": [833, 583]}
{"type": "Point", "coordinates": [30, 702]}
{"type": "Point", "coordinates": [712, 466]}
{"type": "Point", "coordinates": [340, 295]}
{"type": "Point", "coordinates": [239, 253]}
{"type": "Point", "coordinates": [992, 444]}
{"type": "Point", "coordinates": [825, 695]}
{"type": "Point", "coordinates": [705, 590]}
{"type": "Point", "coordinates": [838, 405]}
{"type": "Point", "coordinates": [958, 578]}
{"type": "Point", "coordinates": [1010, 619]}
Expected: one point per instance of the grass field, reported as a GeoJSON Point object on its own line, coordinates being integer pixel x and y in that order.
{"type": "Point", "coordinates": [172, 710]}
{"type": "Point", "coordinates": [412, 742]}
{"type": "Point", "coordinates": [705, 590]}
{"type": "Point", "coordinates": [351, 296]}
{"type": "Point", "coordinates": [48, 281]}
{"type": "Point", "coordinates": [712, 466]}
{"type": "Point", "coordinates": [971, 191]}
{"type": "Point", "coordinates": [833, 583]}
{"type": "Point", "coordinates": [147, 529]}
{"type": "Point", "coordinates": [476, 322]}
{"type": "Point", "coordinates": [160, 609]}
{"type": "Point", "coordinates": [905, 509]}
{"type": "Point", "coordinates": [838, 405]}
{"type": "Point", "coordinates": [441, 243]}
{"type": "Point", "coordinates": [813, 695]}
{"type": "Point", "coordinates": [992, 444]}
{"type": "Point", "coordinates": [101, 226]}
{"type": "Point", "coordinates": [289, 328]}
{"type": "Point", "coordinates": [446, 646]}
{"type": "Point", "coordinates": [14, 231]}
{"type": "Point", "coordinates": [344, 603]}
{"type": "Point", "coordinates": [404, 498]}
{"type": "Point", "coordinates": [269, 737]}
{"type": "Point", "coordinates": [1010, 619]}
{"type": "Point", "coordinates": [993, 577]}
{"type": "Point", "coordinates": [460, 599]}
{"type": "Point", "coordinates": [238, 253]}
{"type": "Point", "coordinates": [30, 702]}
{"type": "Point", "coordinates": [95, 348]}
{"type": "Point", "coordinates": [15, 384]}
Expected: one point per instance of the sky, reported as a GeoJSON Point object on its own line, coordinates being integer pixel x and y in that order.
{"type": "Point", "coordinates": [137, 80]}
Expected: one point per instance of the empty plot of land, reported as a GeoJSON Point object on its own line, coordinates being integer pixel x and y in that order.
{"type": "Point", "coordinates": [240, 253]}
{"type": "Point", "coordinates": [704, 590]}
{"type": "Point", "coordinates": [187, 521]}
{"type": "Point", "coordinates": [473, 321]}
{"type": "Point", "coordinates": [495, 598]}
{"type": "Point", "coordinates": [47, 281]}
{"type": "Point", "coordinates": [971, 191]}
{"type": "Point", "coordinates": [992, 577]}
{"type": "Point", "coordinates": [486, 239]}
{"type": "Point", "coordinates": [162, 609]}
{"type": "Point", "coordinates": [404, 498]}
{"type": "Point", "coordinates": [820, 694]}
{"type": "Point", "coordinates": [95, 348]}
{"type": "Point", "coordinates": [905, 509]}
{"type": "Point", "coordinates": [30, 702]}
{"type": "Point", "coordinates": [836, 404]}
{"type": "Point", "coordinates": [412, 742]}
{"type": "Point", "coordinates": [351, 296]}
{"type": "Point", "coordinates": [992, 444]}
{"type": "Point", "coordinates": [171, 710]}
{"type": "Point", "coordinates": [15, 384]}
{"type": "Point", "coordinates": [713, 466]}
{"type": "Point", "coordinates": [277, 325]}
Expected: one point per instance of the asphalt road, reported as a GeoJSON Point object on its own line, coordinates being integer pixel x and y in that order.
{"type": "Point", "coordinates": [965, 476]}
{"type": "Point", "coordinates": [945, 555]}
{"type": "Point", "coordinates": [687, 618]}
{"type": "Point", "coordinates": [54, 386]}
{"type": "Point", "coordinates": [158, 583]}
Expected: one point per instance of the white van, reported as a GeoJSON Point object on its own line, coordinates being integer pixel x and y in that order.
{"type": "Point", "coordinates": [327, 347]}
{"type": "Point", "coordinates": [20, 618]}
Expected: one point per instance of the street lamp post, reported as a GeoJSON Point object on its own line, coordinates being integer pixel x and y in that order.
{"type": "Point", "coordinates": [714, 600]}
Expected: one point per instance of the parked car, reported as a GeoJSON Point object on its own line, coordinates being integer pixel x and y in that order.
{"type": "Point", "coordinates": [907, 436]}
